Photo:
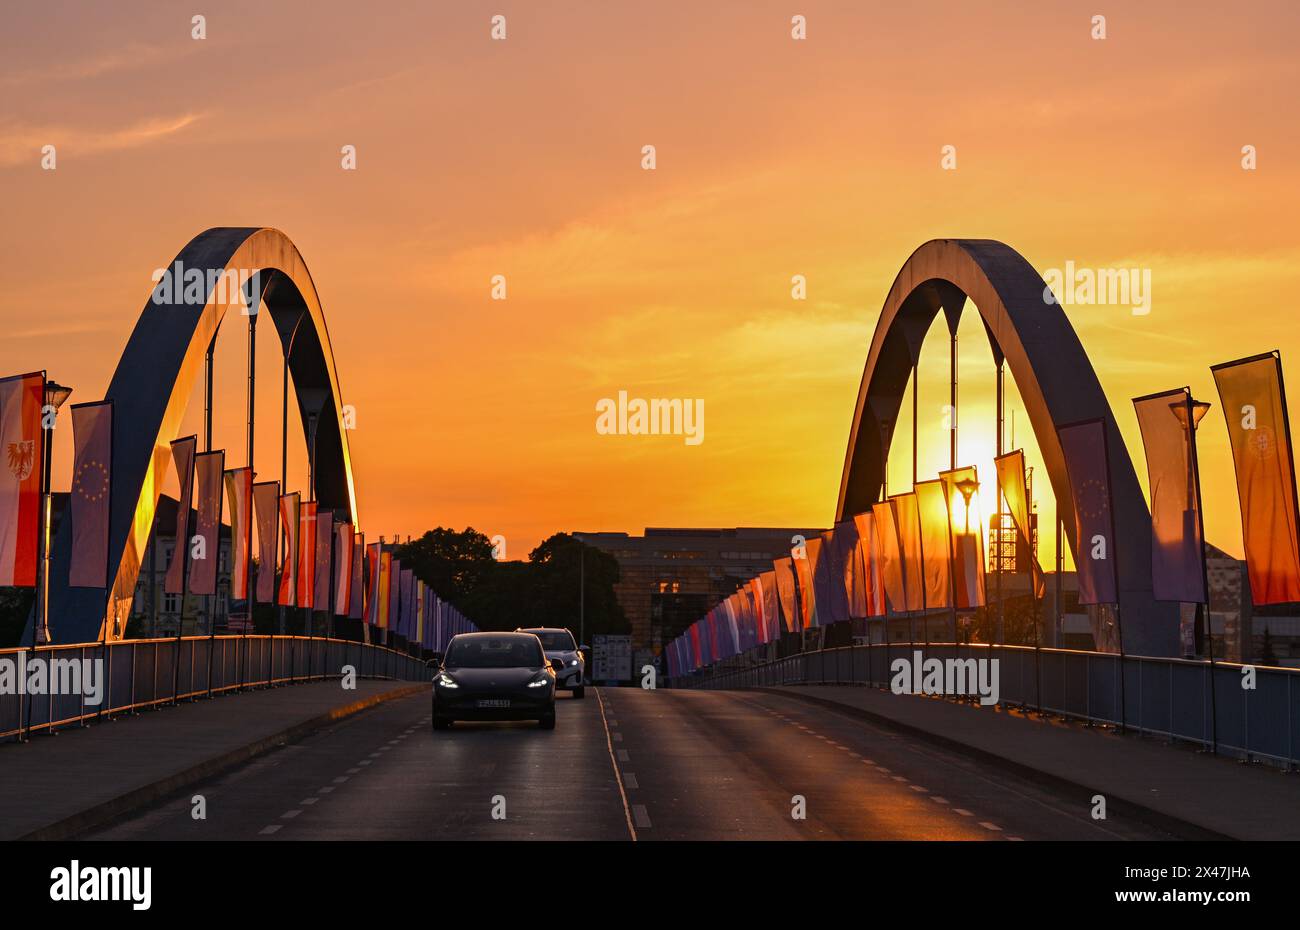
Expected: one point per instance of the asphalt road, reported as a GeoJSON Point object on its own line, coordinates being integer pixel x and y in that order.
{"type": "Point", "coordinates": [624, 763]}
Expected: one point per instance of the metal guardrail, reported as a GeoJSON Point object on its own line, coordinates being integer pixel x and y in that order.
{"type": "Point", "coordinates": [148, 672]}
{"type": "Point", "coordinates": [1169, 698]}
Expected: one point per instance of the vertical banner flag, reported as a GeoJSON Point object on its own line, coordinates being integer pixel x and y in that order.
{"type": "Point", "coordinates": [343, 569]}
{"type": "Point", "coordinates": [1254, 404]}
{"type": "Point", "coordinates": [829, 563]}
{"type": "Point", "coordinates": [92, 440]}
{"type": "Point", "coordinates": [183, 457]}
{"type": "Point", "coordinates": [419, 611]}
{"type": "Point", "coordinates": [869, 543]}
{"type": "Point", "coordinates": [755, 592]}
{"type": "Point", "coordinates": [785, 587]}
{"type": "Point", "coordinates": [1168, 424]}
{"type": "Point", "coordinates": [372, 585]}
{"type": "Point", "coordinates": [385, 584]}
{"type": "Point", "coordinates": [1015, 490]}
{"type": "Point", "coordinates": [324, 545]}
{"type": "Point", "coordinates": [839, 543]}
{"type": "Point", "coordinates": [208, 470]}
{"type": "Point", "coordinates": [967, 535]}
{"type": "Point", "coordinates": [408, 603]}
{"type": "Point", "coordinates": [804, 576]}
{"type": "Point", "coordinates": [395, 598]}
{"type": "Point", "coordinates": [266, 498]}
{"type": "Point", "coordinates": [290, 525]}
{"type": "Point", "coordinates": [771, 605]}
{"type": "Point", "coordinates": [892, 571]}
{"type": "Point", "coordinates": [1084, 445]}
{"type": "Point", "coordinates": [23, 441]}
{"type": "Point", "coordinates": [239, 491]}
{"type": "Point", "coordinates": [307, 555]}
{"type": "Point", "coordinates": [908, 520]}
{"type": "Point", "coordinates": [815, 552]}
{"type": "Point", "coordinates": [936, 543]}
{"type": "Point", "coordinates": [851, 556]}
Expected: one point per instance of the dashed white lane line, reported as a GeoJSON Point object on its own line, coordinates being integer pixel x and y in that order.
{"type": "Point", "coordinates": [1016, 839]}
{"type": "Point", "coordinates": [340, 780]}
{"type": "Point", "coordinates": [990, 826]}
{"type": "Point", "coordinates": [938, 800]}
{"type": "Point", "coordinates": [289, 815]}
{"type": "Point", "coordinates": [273, 828]}
{"type": "Point", "coordinates": [326, 790]}
{"type": "Point", "coordinates": [898, 778]}
{"type": "Point", "coordinates": [629, 780]}
{"type": "Point", "coordinates": [962, 811]}
{"type": "Point", "coordinates": [641, 816]}
{"type": "Point", "coordinates": [308, 801]}
{"type": "Point", "coordinates": [353, 771]}
{"type": "Point", "coordinates": [365, 762]}
{"type": "Point", "coordinates": [919, 788]}
{"type": "Point", "coordinates": [622, 755]}
{"type": "Point", "coordinates": [374, 755]}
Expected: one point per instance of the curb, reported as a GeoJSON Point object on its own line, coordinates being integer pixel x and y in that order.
{"type": "Point", "coordinates": [1183, 829]}
{"type": "Point", "coordinates": [70, 827]}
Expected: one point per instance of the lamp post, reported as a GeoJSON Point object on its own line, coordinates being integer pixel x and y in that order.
{"type": "Point", "coordinates": [55, 397]}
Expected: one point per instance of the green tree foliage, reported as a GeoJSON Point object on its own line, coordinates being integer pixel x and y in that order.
{"type": "Point", "coordinates": [544, 591]}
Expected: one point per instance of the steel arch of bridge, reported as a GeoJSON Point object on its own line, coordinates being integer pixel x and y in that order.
{"type": "Point", "coordinates": [1056, 382]}
{"type": "Point", "coordinates": [151, 389]}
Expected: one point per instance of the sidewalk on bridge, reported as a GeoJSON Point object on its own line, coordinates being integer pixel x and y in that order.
{"type": "Point", "coordinates": [1188, 793]}
{"type": "Point", "coordinates": [58, 786]}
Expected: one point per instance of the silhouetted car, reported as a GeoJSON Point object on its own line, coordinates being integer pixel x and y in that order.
{"type": "Point", "coordinates": [494, 676]}
{"type": "Point", "coordinates": [565, 657]}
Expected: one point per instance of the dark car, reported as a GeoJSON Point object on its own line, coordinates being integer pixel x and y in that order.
{"type": "Point", "coordinates": [494, 676]}
{"type": "Point", "coordinates": [565, 656]}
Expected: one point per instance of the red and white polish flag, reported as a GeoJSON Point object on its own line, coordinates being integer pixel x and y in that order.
{"type": "Point", "coordinates": [22, 445]}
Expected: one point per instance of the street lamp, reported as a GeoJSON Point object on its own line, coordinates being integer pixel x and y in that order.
{"type": "Point", "coordinates": [1190, 411]}
{"type": "Point", "coordinates": [967, 487]}
{"type": "Point", "coordinates": [55, 397]}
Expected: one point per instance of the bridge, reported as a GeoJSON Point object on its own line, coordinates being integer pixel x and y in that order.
{"type": "Point", "coordinates": [797, 732]}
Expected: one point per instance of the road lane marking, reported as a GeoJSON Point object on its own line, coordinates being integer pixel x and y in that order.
{"type": "Point", "coordinates": [962, 811]}
{"type": "Point", "coordinates": [309, 800]}
{"type": "Point", "coordinates": [919, 788]}
{"type": "Point", "coordinates": [618, 777]}
{"type": "Point", "coordinates": [273, 828]}
{"type": "Point", "coordinates": [938, 800]}
{"type": "Point", "coordinates": [364, 762]}
{"type": "Point", "coordinates": [623, 756]}
{"type": "Point", "coordinates": [289, 815]}
{"type": "Point", "coordinates": [1016, 839]}
{"type": "Point", "coordinates": [353, 771]}
{"type": "Point", "coordinates": [629, 779]}
{"type": "Point", "coordinates": [326, 790]}
{"type": "Point", "coordinates": [642, 816]}
{"type": "Point", "coordinates": [340, 780]}
{"type": "Point", "coordinates": [990, 826]}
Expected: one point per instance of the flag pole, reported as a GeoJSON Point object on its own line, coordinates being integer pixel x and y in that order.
{"type": "Point", "coordinates": [207, 447]}
{"type": "Point", "coordinates": [108, 570]}
{"type": "Point", "coordinates": [40, 608]}
{"type": "Point", "coordinates": [252, 476]}
{"type": "Point", "coordinates": [1193, 463]}
{"type": "Point", "coordinates": [1119, 619]}
{"type": "Point", "coordinates": [1000, 635]}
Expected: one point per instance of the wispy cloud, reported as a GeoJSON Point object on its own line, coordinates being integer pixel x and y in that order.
{"type": "Point", "coordinates": [131, 57]}
{"type": "Point", "coordinates": [21, 144]}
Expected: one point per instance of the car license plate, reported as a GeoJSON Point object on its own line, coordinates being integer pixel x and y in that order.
{"type": "Point", "coordinates": [494, 702]}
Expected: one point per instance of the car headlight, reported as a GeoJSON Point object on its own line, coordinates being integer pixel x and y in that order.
{"type": "Point", "coordinates": [539, 682]}
{"type": "Point", "coordinates": [574, 662]}
{"type": "Point", "coordinates": [446, 680]}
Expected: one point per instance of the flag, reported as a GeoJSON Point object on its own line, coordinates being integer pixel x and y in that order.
{"type": "Point", "coordinates": [771, 604]}
{"type": "Point", "coordinates": [755, 593]}
{"type": "Point", "coordinates": [266, 497]}
{"type": "Point", "coordinates": [815, 550]}
{"type": "Point", "coordinates": [239, 491]}
{"type": "Point", "coordinates": [372, 584]}
{"type": "Point", "coordinates": [967, 535]}
{"type": "Point", "coordinates": [1084, 447]}
{"type": "Point", "coordinates": [891, 554]}
{"type": "Point", "coordinates": [357, 587]}
{"type": "Point", "coordinates": [804, 577]}
{"type": "Point", "coordinates": [320, 598]}
{"type": "Point", "coordinates": [1254, 404]}
{"type": "Point", "coordinates": [208, 470]}
{"type": "Point", "coordinates": [23, 440]}
{"type": "Point", "coordinates": [290, 528]}
{"type": "Point", "coordinates": [785, 587]}
{"type": "Point", "coordinates": [384, 601]}
{"type": "Point", "coordinates": [853, 579]}
{"type": "Point", "coordinates": [936, 543]}
{"type": "Point", "coordinates": [907, 519]}
{"type": "Point", "coordinates": [307, 555]}
{"type": "Point", "coordinates": [92, 482]}
{"type": "Point", "coordinates": [342, 569]}
{"type": "Point", "coordinates": [419, 611]}
{"type": "Point", "coordinates": [1015, 490]}
{"type": "Point", "coordinates": [183, 456]}
{"type": "Point", "coordinates": [837, 544]}
{"type": "Point", "coordinates": [1168, 424]}
{"type": "Point", "coordinates": [869, 545]}
{"type": "Point", "coordinates": [395, 597]}
{"type": "Point", "coordinates": [408, 603]}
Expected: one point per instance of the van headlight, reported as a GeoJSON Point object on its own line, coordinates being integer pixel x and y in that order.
{"type": "Point", "coordinates": [446, 680]}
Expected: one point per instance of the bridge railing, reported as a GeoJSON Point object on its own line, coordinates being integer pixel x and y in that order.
{"type": "Point", "coordinates": [146, 672]}
{"type": "Point", "coordinates": [1177, 699]}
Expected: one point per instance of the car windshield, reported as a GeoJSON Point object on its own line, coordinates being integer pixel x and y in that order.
{"type": "Point", "coordinates": [555, 640]}
{"type": "Point", "coordinates": [495, 652]}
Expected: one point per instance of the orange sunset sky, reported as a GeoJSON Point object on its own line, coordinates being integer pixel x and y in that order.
{"type": "Point", "coordinates": [523, 158]}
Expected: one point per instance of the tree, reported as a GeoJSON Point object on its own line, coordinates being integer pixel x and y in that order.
{"type": "Point", "coordinates": [453, 563]}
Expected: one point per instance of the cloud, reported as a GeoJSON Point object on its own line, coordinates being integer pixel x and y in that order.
{"type": "Point", "coordinates": [20, 144]}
